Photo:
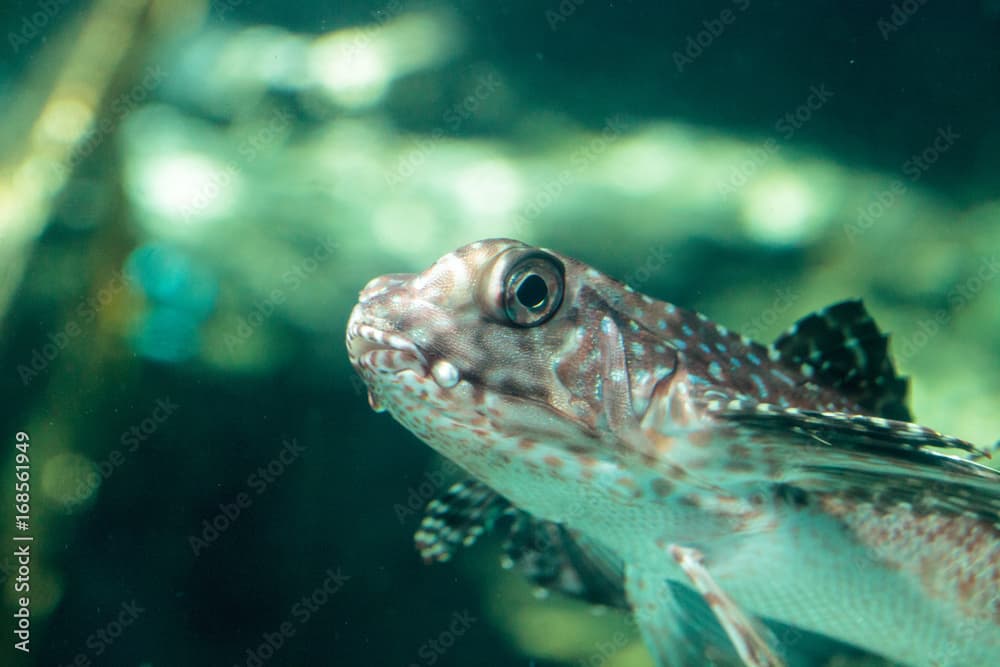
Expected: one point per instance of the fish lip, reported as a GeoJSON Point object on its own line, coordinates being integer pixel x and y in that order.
{"type": "Point", "coordinates": [364, 341]}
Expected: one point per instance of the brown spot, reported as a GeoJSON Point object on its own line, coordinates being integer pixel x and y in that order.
{"type": "Point", "coordinates": [713, 600]}
{"type": "Point", "coordinates": [738, 451]}
{"type": "Point", "coordinates": [702, 438]}
{"type": "Point", "coordinates": [967, 585]}
{"type": "Point", "coordinates": [526, 444]}
{"type": "Point", "coordinates": [738, 466]}
{"type": "Point", "coordinates": [676, 472]}
{"type": "Point", "coordinates": [691, 500]}
{"type": "Point", "coordinates": [586, 461]}
{"type": "Point", "coordinates": [648, 460]}
{"type": "Point", "coordinates": [553, 461]}
{"type": "Point", "coordinates": [587, 474]}
{"type": "Point", "coordinates": [663, 443]}
{"type": "Point", "coordinates": [627, 482]}
{"type": "Point", "coordinates": [662, 487]}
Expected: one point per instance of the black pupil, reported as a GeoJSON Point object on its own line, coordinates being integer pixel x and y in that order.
{"type": "Point", "coordinates": [532, 292]}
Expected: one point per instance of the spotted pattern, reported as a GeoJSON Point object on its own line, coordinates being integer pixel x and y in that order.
{"type": "Point", "coordinates": [637, 423]}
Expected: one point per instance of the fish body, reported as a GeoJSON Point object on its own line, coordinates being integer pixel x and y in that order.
{"type": "Point", "coordinates": [648, 453]}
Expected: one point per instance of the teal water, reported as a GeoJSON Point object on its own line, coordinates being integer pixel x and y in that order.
{"type": "Point", "coordinates": [192, 194]}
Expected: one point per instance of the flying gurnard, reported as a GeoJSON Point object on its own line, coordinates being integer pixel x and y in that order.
{"type": "Point", "coordinates": [732, 495]}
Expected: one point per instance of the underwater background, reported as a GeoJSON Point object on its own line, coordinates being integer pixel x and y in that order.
{"type": "Point", "coordinates": [192, 193]}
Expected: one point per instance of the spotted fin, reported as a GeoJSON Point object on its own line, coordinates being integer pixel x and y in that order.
{"type": "Point", "coordinates": [548, 554]}
{"type": "Point", "coordinates": [562, 561]}
{"type": "Point", "coordinates": [840, 347]}
{"type": "Point", "coordinates": [852, 431]}
{"type": "Point", "coordinates": [870, 456]}
{"type": "Point", "coordinates": [464, 512]}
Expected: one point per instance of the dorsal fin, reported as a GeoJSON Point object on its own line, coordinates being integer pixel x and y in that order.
{"type": "Point", "coordinates": [846, 351]}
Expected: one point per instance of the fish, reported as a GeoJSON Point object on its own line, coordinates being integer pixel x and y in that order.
{"type": "Point", "coordinates": [733, 496]}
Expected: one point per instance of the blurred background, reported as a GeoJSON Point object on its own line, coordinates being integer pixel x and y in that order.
{"type": "Point", "coordinates": [192, 193]}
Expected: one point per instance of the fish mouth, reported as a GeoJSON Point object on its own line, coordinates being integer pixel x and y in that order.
{"type": "Point", "coordinates": [379, 351]}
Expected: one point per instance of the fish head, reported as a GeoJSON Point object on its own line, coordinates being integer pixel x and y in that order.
{"type": "Point", "coordinates": [500, 341]}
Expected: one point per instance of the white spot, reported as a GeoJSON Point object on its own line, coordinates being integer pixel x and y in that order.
{"type": "Point", "coordinates": [773, 354]}
{"type": "Point", "coordinates": [723, 331]}
{"type": "Point", "coordinates": [445, 374]}
{"type": "Point", "coordinates": [715, 370]}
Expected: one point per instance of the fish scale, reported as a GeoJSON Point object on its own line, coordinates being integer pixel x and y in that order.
{"type": "Point", "coordinates": [640, 455]}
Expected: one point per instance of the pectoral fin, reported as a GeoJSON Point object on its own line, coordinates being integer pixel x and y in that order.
{"type": "Point", "coordinates": [753, 642]}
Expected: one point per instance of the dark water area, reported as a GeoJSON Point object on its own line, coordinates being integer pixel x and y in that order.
{"type": "Point", "coordinates": [193, 193]}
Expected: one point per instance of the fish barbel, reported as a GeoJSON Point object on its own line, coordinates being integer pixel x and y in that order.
{"type": "Point", "coordinates": [647, 456]}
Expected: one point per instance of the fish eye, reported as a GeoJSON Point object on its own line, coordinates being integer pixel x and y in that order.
{"type": "Point", "coordinates": [533, 290]}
